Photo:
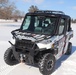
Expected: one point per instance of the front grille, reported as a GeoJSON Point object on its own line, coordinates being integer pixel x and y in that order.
{"type": "Point", "coordinates": [24, 44]}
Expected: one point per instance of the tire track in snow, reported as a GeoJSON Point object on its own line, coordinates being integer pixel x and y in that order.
{"type": "Point", "coordinates": [5, 69]}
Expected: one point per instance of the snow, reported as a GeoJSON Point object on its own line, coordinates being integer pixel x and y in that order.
{"type": "Point", "coordinates": [10, 21]}
{"type": "Point", "coordinates": [66, 65]}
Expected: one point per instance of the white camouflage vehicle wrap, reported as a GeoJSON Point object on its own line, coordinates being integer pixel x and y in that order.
{"type": "Point", "coordinates": [43, 38]}
{"type": "Point", "coordinates": [60, 43]}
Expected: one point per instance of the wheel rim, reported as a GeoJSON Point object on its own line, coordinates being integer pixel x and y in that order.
{"type": "Point", "coordinates": [49, 65]}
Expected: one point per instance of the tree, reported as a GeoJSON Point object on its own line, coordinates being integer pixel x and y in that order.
{"type": "Point", "coordinates": [33, 8]}
{"type": "Point", "coordinates": [73, 20]}
{"type": "Point", "coordinates": [3, 3]}
{"type": "Point", "coordinates": [17, 14]}
{"type": "Point", "coordinates": [8, 10]}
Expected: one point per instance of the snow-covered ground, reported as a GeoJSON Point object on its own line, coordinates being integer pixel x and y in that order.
{"type": "Point", "coordinates": [66, 65]}
{"type": "Point", "coordinates": [10, 21]}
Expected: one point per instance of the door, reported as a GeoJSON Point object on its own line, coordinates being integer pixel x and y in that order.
{"type": "Point", "coordinates": [61, 37]}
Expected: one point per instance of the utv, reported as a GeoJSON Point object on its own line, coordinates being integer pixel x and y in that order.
{"type": "Point", "coordinates": [42, 39]}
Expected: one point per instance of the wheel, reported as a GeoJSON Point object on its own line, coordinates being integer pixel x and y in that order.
{"type": "Point", "coordinates": [9, 57]}
{"type": "Point", "coordinates": [69, 50]}
{"type": "Point", "coordinates": [47, 64]}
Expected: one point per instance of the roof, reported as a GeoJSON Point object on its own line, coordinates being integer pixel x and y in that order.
{"type": "Point", "coordinates": [49, 13]}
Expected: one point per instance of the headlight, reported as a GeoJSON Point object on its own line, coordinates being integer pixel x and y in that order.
{"type": "Point", "coordinates": [54, 45]}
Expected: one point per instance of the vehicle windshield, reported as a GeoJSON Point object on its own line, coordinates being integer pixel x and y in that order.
{"type": "Point", "coordinates": [39, 24]}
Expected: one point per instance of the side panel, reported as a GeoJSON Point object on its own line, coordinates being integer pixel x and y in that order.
{"type": "Point", "coordinates": [63, 43]}
{"type": "Point", "coordinates": [69, 35]}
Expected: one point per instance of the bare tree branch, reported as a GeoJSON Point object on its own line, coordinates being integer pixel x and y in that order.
{"type": "Point", "coordinates": [33, 8]}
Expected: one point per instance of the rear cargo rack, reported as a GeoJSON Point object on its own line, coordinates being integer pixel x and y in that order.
{"type": "Point", "coordinates": [49, 11]}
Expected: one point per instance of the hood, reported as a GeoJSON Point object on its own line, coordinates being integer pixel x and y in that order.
{"type": "Point", "coordinates": [29, 36]}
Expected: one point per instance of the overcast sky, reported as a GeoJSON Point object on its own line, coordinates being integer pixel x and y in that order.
{"type": "Point", "coordinates": [67, 6]}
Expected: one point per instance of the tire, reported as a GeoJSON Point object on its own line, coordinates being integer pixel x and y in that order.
{"type": "Point", "coordinates": [9, 57]}
{"type": "Point", "coordinates": [69, 50]}
{"type": "Point", "coordinates": [47, 64]}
